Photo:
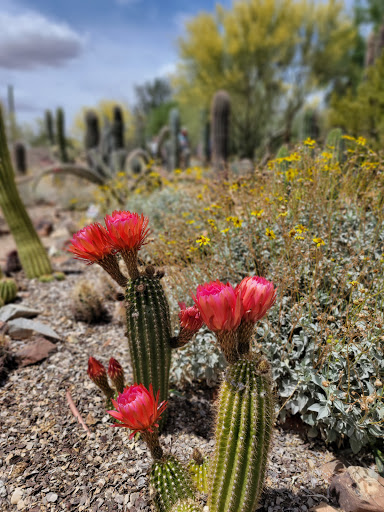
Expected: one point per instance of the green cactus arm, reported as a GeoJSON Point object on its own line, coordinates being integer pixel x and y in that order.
{"type": "Point", "coordinates": [79, 171]}
{"type": "Point", "coordinates": [32, 254]}
{"type": "Point", "coordinates": [8, 290]}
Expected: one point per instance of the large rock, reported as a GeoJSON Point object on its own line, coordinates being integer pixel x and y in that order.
{"type": "Point", "coordinates": [11, 311]}
{"type": "Point", "coordinates": [35, 351]}
{"type": "Point", "coordinates": [324, 507]}
{"type": "Point", "coordinates": [359, 490]}
{"type": "Point", "coordinates": [22, 328]}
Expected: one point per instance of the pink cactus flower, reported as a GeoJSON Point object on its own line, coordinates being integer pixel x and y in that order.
{"type": "Point", "coordinates": [257, 296]}
{"type": "Point", "coordinates": [91, 243]}
{"type": "Point", "coordinates": [190, 318]}
{"type": "Point", "coordinates": [220, 307]}
{"type": "Point", "coordinates": [127, 231]}
{"type": "Point", "coordinates": [138, 409]}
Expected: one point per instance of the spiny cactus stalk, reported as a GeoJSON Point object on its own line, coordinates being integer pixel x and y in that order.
{"type": "Point", "coordinates": [32, 254]}
{"type": "Point", "coordinates": [92, 130]}
{"type": "Point", "coordinates": [149, 332]}
{"type": "Point", "coordinates": [186, 506]}
{"type": "Point", "coordinates": [335, 144]}
{"type": "Point", "coordinates": [174, 145]}
{"type": "Point", "coordinates": [20, 156]}
{"type": "Point", "coordinates": [49, 127]}
{"type": "Point", "coordinates": [170, 482]}
{"type": "Point", "coordinates": [8, 290]}
{"type": "Point", "coordinates": [198, 469]}
{"type": "Point", "coordinates": [220, 118]}
{"type": "Point", "coordinates": [242, 437]}
{"type": "Point", "coordinates": [117, 129]}
{"type": "Point", "coordinates": [60, 131]}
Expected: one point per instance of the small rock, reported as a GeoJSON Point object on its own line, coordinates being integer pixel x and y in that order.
{"type": "Point", "coordinates": [21, 328]}
{"type": "Point", "coordinates": [3, 489]}
{"type": "Point", "coordinates": [20, 505]}
{"type": "Point", "coordinates": [35, 351]}
{"type": "Point", "coordinates": [323, 507]}
{"type": "Point", "coordinates": [134, 497]}
{"type": "Point", "coordinates": [51, 497]}
{"type": "Point", "coordinates": [16, 496]}
{"type": "Point", "coordinates": [11, 311]}
{"type": "Point", "coordinates": [329, 469]}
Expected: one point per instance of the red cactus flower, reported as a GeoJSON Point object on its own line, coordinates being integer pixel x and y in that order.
{"type": "Point", "coordinates": [257, 296]}
{"type": "Point", "coordinates": [190, 318]}
{"type": "Point", "coordinates": [220, 307]}
{"type": "Point", "coordinates": [116, 374]}
{"type": "Point", "coordinates": [138, 409]}
{"type": "Point", "coordinates": [91, 243]}
{"type": "Point", "coordinates": [127, 231]}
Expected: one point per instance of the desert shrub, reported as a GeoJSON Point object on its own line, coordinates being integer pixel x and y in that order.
{"type": "Point", "coordinates": [315, 226]}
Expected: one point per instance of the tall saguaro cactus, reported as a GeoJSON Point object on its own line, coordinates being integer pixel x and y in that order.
{"type": "Point", "coordinates": [32, 254]}
{"type": "Point", "coordinates": [220, 118]}
{"type": "Point", "coordinates": [60, 131]}
{"type": "Point", "coordinates": [49, 127]}
{"type": "Point", "coordinates": [92, 130]}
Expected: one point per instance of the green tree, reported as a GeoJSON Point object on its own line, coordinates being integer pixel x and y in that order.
{"type": "Point", "coordinates": [362, 114]}
{"type": "Point", "coordinates": [269, 55]}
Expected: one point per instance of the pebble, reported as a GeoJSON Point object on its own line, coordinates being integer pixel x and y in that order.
{"type": "Point", "coordinates": [51, 497]}
{"type": "Point", "coordinates": [16, 496]}
{"type": "Point", "coordinates": [134, 497]}
{"type": "Point", "coordinates": [3, 489]}
{"type": "Point", "coordinates": [20, 505]}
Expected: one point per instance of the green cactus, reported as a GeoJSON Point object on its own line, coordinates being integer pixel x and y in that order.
{"type": "Point", "coordinates": [283, 153]}
{"type": "Point", "coordinates": [49, 127]}
{"type": "Point", "coordinates": [335, 143]}
{"type": "Point", "coordinates": [198, 469]}
{"type": "Point", "coordinates": [60, 130]}
{"type": "Point", "coordinates": [186, 506]}
{"type": "Point", "coordinates": [117, 129]}
{"type": "Point", "coordinates": [32, 254]}
{"type": "Point", "coordinates": [8, 290]}
{"type": "Point", "coordinates": [149, 332]}
{"type": "Point", "coordinates": [242, 437]}
{"type": "Point", "coordinates": [220, 118]}
{"type": "Point", "coordinates": [92, 130]}
{"type": "Point", "coordinates": [171, 483]}
{"type": "Point", "coordinates": [174, 144]}
{"type": "Point", "coordinates": [20, 156]}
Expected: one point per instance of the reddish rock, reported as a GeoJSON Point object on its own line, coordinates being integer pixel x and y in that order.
{"type": "Point", "coordinates": [35, 351]}
{"type": "Point", "coordinates": [358, 490]}
{"type": "Point", "coordinates": [324, 507]}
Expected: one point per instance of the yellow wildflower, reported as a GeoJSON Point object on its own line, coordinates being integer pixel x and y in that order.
{"type": "Point", "coordinates": [203, 240]}
{"type": "Point", "coordinates": [309, 142]}
{"type": "Point", "coordinates": [257, 213]}
{"type": "Point", "coordinates": [225, 230]}
{"type": "Point", "coordinates": [318, 241]}
{"type": "Point", "coordinates": [282, 214]}
{"type": "Point", "coordinates": [270, 233]}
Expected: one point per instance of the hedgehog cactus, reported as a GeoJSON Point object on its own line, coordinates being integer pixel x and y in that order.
{"type": "Point", "coordinates": [174, 145]}
{"type": "Point", "coordinates": [60, 130]}
{"type": "Point", "coordinates": [32, 254]}
{"type": "Point", "coordinates": [220, 118]}
{"type": "Point", "coordinates": [8, 290]}
{"type": "Point", "coordinates": [198, 469]}
{"type": "Point", "coordinates": [186, 506]}
{"type": "Point", "coordinates": [170, 482]}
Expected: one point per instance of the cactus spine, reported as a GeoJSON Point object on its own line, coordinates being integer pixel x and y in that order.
{"type": "Point", "coordinates": [186, 506]}
{"type": "Point", "coordinates": [20, 155]}
{"type": "Point", "coordinates": [170, 482]}
{"type": "Point", "coordinates": [60, 130]}
{"type": "Point", "coordinates": [32, 254]}
{"type": "Point", "coordinates": [220, 117]}
{"type": "Point", "coordinates": [242, 437]}
{"type": "Point", "coordinates": [49, 127]}
{"type": "Point", "coordinates": [8, 290]}
{"type": "Point", "coordinates": [149, 332]}
{"type": "Point", "coordinates": [174, 145]}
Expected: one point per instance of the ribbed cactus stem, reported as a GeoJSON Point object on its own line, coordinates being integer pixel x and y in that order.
{"type": "Point", "coordinates": [220, 118]}
{"type": "Point", "coordinates": [60, 131]}
{"type": "Point", "coordinates": [149, 332]}
{"type": "Point", "coordinates": [8, 290]}
{"type": "Point", "coordinates": [171, 483]}
{"type": "Point", "coordinates": [186, 506]}
{"type": "Point", "coordinates": [49, 127]}
{"type": "Point", "coordinates": [117, 128]}
{"type": "Point", "coordinates": [198, 469]}
{"type": "Point", "coordinates": [32, 254]}
{"type": "Point", "coordinates": [92, 130]}
{"type": "Point", "coordinates": [242, 437]}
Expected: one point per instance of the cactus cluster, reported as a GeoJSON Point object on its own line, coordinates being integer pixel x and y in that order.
{"type": "Point", "coordinates": [220, 119]}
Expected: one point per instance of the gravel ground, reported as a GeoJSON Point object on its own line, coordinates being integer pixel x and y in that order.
{"type": "Point", "coordinates": [49, 463]}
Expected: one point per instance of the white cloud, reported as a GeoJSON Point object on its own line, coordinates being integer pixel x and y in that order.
{"type": "Point", "coordinates": [30, 40]}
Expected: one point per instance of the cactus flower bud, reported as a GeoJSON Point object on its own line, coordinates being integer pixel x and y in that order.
{"type": "Point", "coordinates": [98, 375]}
{"type": "Point", "coordinates": [190, 318]}
{"type": "Point", "coordinates": [138, 409]}
{"type": "Point", "coordinates": [116, 374]}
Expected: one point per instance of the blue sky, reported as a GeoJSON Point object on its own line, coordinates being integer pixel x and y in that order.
{"type": "Point", "coordinates": [73, 53]}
